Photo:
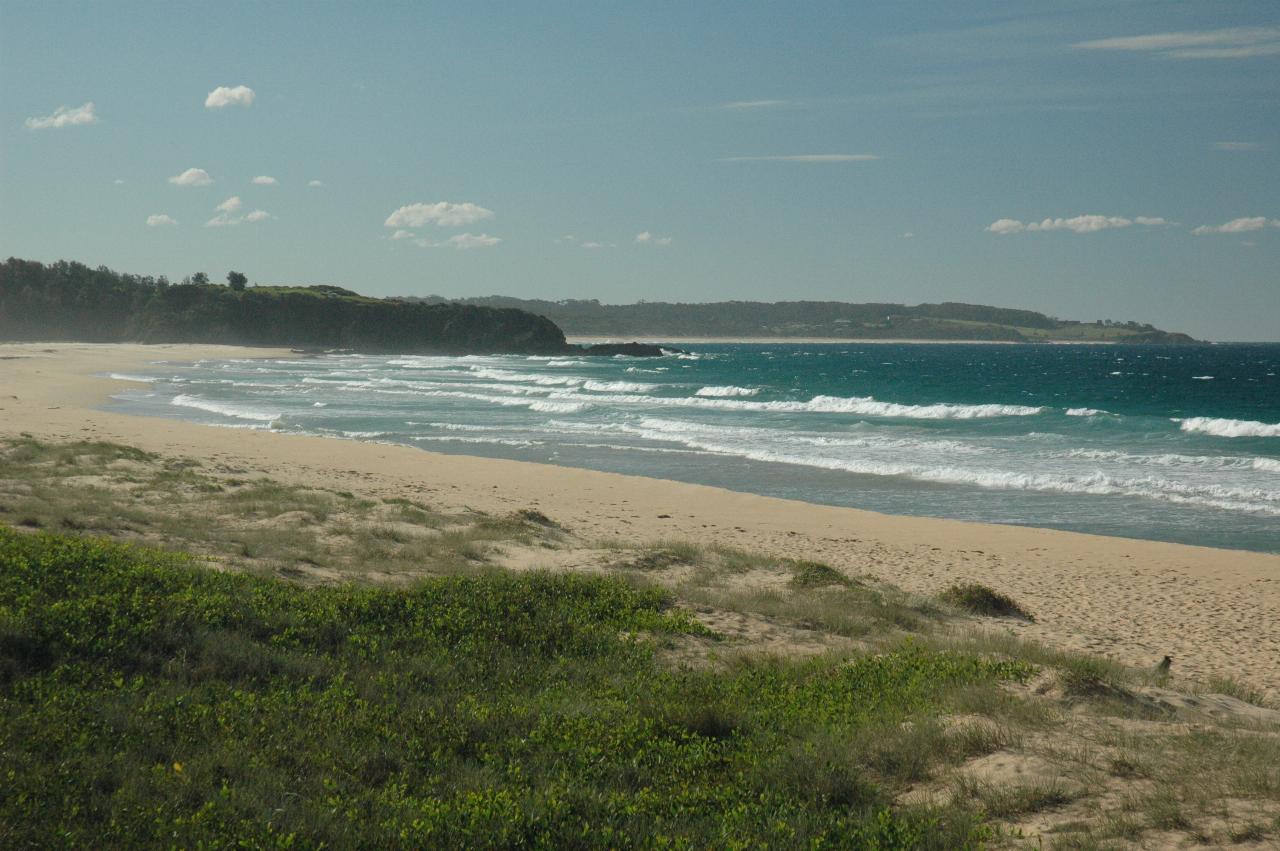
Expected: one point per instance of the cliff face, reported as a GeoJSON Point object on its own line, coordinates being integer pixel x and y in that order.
{"type": "Point", "coordinates": [70, 301]}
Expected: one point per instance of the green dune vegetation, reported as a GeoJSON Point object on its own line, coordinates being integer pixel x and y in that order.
{"type": "Point", "coordinates": [195, 656]}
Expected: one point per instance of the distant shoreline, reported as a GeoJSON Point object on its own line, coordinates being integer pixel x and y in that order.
{"type": "Point", "coordinates": [591, 339]}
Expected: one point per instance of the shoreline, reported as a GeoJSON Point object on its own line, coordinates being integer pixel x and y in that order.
{"type": "Point", "coordinates": [592, 339]}
{"type": "Point", "coordinates": [1134, 600]}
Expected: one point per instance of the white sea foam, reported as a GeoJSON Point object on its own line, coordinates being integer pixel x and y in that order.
{"type": "Point", "coordinates": [125, 376]}
{"type": "Point", "coordinates": [1173, 460]}
{"type": "Point", "coordinates": [1229, 428]}
{"type": "Point", "coordinates": [1253, 500]}
{"type": "Point", "coordinates": [226, 409]}
{"type": "Point", "coordinates": [1086, 412]}
{"type": "Point", "coordinates": [529, 377]}
{"type": "Point", "coordinates": [727, 390]}
{"type": "Point", "coordinates": [618, 386]}
{"type": "Point", "coordinates": [1202, 378]}
{"type": "Point", "coordinates": [559, 407]}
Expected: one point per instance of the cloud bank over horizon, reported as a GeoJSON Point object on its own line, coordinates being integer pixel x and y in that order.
{"type": "Point", "coordinates": [1075, 224]}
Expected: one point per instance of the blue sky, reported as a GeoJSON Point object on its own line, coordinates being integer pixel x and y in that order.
{"type": "Point", "coordinates": [1087, 159]}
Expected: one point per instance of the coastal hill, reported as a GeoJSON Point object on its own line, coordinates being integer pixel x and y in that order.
{"type": "Point", "coordinates": [71, 301]}
{"type": "Point", "coordinates": [821, 319]}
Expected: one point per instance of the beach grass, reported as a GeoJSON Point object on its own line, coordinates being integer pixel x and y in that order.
{"type": "Point", "coordinates": [148, 701]}
{"type": "Point", "coordinates": [360, 669]}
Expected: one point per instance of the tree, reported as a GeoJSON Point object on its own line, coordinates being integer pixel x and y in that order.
{"type": "Point", "coordinates": [199, 278]}
{"type": "Point", "coordinates": [236, 280]}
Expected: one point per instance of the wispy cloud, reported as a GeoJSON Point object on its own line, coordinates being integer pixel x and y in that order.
{"type": "Point", "coordinates": [592, 245]}
{"type": "Point", "coordinates": [64, 117]}
{"type": "Point", "coordinates": [224, 96]}
{"type": "Point", "coordinates": [192, 177]}
{"type": "Point", "coordinates": [804, 158]}
{"type": "Point", "coordinates": [1075, 224]}
{"type": "Point", "coordinates": [1241, 225]}
{"type": "Point", "coordinates": [160, 220]}
{"type": "Point", "coordinates": [460, 242]}
{"type": "Point", "coordinates": [227, 215]}
{"type": "Point", "coordinates": [646, 238]}
{"type": "Point", "coordinates": [315, 184]}
{"type": "Point", "coordinates": [756, 104]}
{"type": "Point", "coordinates": [439, 213]}
{"type": "Point", "coordinates": [264, 180]}
{"type": "Point", "coordinates": [1236, 146]}
{"type": "Point", "coordinates": [467, 241]}
{"type": "Point", "coordinates": [1233, 43]}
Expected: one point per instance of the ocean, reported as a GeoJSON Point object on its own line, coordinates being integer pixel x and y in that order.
{"type": "Point", "coordinates": [1177, 443]}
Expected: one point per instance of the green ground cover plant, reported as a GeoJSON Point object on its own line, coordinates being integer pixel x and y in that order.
{"type": "Point", "coordinates": [145, 700]}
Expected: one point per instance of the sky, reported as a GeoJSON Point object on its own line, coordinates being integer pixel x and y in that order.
{"type": "Point", "coordinates": [1091, 160]}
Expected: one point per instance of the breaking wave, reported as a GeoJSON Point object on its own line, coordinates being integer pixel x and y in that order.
{"type": "Point", "coordinates": [1230, 428]}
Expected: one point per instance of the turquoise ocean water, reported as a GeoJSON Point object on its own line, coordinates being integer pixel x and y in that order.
{"type": "Point", "coordinates": [1170, 443]}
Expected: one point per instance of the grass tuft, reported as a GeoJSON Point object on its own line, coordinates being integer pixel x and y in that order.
{"type": "Point", "coordinates": [978, 599]}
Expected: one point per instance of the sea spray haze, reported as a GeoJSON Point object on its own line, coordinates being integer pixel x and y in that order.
{"type": "Point", "coordinates": [1178, 443]}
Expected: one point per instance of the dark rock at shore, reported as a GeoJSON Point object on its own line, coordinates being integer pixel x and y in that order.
{"type": "Point", "coordinates": [634, 350]}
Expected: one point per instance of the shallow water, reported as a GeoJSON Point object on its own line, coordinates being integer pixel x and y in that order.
{"type": "Point", "coordinates": [1169, 443]}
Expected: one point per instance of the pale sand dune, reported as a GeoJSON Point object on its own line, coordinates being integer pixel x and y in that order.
{"type": "Point", "coordinates": [1217, 612]}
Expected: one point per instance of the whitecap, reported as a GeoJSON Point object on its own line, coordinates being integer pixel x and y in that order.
{"type": "Point", "coordinates": [727, 390]}
{"type": "Point", "coordinates": [1229, 428]}
{"type": "Point", "coordinates": [226, 409]}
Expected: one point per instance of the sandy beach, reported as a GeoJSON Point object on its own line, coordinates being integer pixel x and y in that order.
{"type": "Point", "coordinates": [1214, 611]}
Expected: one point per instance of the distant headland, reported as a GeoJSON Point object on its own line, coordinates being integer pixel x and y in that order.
{"type": "Point", "coordinates": [71, 301]}
{"type": "Point", "coordinates": [809, 320]}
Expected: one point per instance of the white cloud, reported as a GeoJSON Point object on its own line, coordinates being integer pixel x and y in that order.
{"type": "Point", "coordinates": [224, 96]}
{"type": "Point", "coordinates": [160, 220]}
{"type": "Point", "coordinates": [264, 180]}
{"type": "Point", "coordinates": [440, 213]}
{"type": "Point", "coordinates": [1234, 43]}
{"type": "Point", "coordinates": [226, 215]}
{"type": "Point", "coordinates": [192, 177]}
{"type": "Point", "coordinates": [465, 241]}
{"type": "Point", "coordinates": [64, 117]}
{"type": "Point", "coordinates": [119, 181]}
{"type": "Point", "coordinates": [1236, 146]}
{"type": "Point", "coordinates": [646, 238]}
{"type": "Point", "coordinates": [804, 158]}
{"type": "Point", "coordinates": [596, 245]}
{"type": "Point", "coordinates": [910, 235]}
{"type": "Point", "coordinates": [1075, 224]}
{"type": "Point", "coordinates": [754, 104]}
{"type": "Point", "coordinates": [402, 234]}
{"type": "Point", "coordinates": [315, 183]}
{"type": "Point", "coordinates": [1241, 225]}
